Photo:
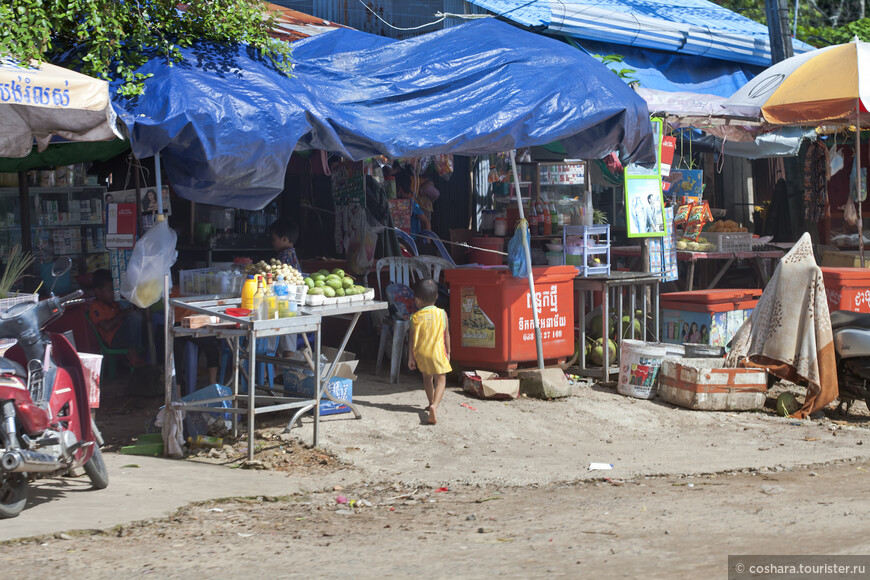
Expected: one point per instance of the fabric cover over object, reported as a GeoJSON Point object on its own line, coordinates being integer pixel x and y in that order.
{"type": "Point", "coordinates": [227, 122]}
{"type": "Point", "coordinates": [789, 332]}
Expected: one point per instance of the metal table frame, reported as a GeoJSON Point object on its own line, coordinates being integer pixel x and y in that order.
{"type": "Point", "coordinates": [308, 320]}
{"type": "Point", "coordinates": [617, 283]}
{"type": "Point", "coordinates": [758, 258]}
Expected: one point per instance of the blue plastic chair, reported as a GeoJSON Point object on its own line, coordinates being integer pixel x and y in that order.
{"type": "Point", "coordinates": [433, 237]}
{"type": "Point", "coordinates": [407, 240]}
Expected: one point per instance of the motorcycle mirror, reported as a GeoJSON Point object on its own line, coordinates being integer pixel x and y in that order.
{"type": "Point", "coordinates": [60, 267]}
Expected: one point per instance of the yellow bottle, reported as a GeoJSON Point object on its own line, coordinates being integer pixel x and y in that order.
{"type": "Point", "coordinates": [249, 288]}
{"type": "Point", "coordinates": [259, 295]}
{"type": "Point", "coordinates": [271, 299]}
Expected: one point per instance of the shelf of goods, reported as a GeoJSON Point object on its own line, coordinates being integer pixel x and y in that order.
{"type": "Point", "coordinates": [65, 221]}
{"type": "Point", "coordinates": [594, 245]}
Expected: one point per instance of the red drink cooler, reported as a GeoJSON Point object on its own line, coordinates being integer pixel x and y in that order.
{"type": "Point", "coordinates": [847, 288]}
{"type": "Point", "coordinates": [491, 322]}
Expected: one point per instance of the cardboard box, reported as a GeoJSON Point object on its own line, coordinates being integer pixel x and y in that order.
{"type": "Point", "coordinates": [834, 259]}
{"type": "Point", "coordinates": [705, 384]}
{"type": "Point", "coordinates": [488, 385]}
{"type": "Point", "coordinates": [297, 385]}
{"type": "Point", "coordinates": [301, 383]}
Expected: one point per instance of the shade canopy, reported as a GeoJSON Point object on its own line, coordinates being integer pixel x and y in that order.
{"type": "Point", "coordinates": [227, 122]}
{"type": "Point", "coordinates": [826, 85]}
{"type": "Point", "coordinates": [41, 103]}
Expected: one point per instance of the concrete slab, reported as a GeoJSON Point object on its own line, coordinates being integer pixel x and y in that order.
{"type": "Point", "coordinates": [154, 489]}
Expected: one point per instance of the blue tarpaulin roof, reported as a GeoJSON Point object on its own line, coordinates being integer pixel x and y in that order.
{"type": "Point", "coordinates": [227, 122]}
{"type": "Point", "coordinates": [668, 71]}
{"type": "Point", "coordinates": [695, 27]}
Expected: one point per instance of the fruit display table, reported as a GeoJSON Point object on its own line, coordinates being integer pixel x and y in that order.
{"type": "Point", "coordinates": [618, 290]}
{"type": "Point", "coordinates": [242, 334]}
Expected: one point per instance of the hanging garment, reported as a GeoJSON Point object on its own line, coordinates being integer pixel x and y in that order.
{"type": "Point", "coordinates": [789, 331]}
{"type": "Point", "coordinates": [816, 175]}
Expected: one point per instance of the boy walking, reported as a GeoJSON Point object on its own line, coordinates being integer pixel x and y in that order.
{"type": "Point", "coordinates": [430, 344]}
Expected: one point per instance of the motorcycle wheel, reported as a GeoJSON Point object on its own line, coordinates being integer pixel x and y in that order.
{"type": "Point", "coordinates": [13, 494]}
{"type": "Point", "coordinates": [96, 470]}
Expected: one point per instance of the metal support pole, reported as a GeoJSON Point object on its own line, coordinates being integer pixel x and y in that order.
{"type": "Point", "coordinates": [252, 388]}
{"type": "Point", "coordinates": [523, 230]}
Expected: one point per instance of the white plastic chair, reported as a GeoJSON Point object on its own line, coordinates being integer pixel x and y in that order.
{"type": "Point", "coordinates": [435, 265]}
{"type": "Point", "coordinates": [401, 271]}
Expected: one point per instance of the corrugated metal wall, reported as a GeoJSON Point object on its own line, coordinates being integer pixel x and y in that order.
{"type": "Point", "coordinates": [370, 15]}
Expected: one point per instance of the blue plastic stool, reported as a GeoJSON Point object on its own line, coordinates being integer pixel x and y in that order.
{"type": "Point", "coordinates": [262, 368]}
{"type": "Point", "coordinates": [191, 364]}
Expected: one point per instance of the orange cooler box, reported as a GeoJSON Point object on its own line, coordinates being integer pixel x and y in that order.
{"type": "Point", "coordinates": [705, 316]}
{"type": "Point", "coordinates": [491, 323]}
{"type": "Point", "coordinates": [847, 288]}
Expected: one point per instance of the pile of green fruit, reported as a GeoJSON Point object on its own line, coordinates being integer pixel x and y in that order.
{"type": "Point", "coordinates": [276, 268]}
{"type": "Point", "coordinates": [594, 347]}
{"type": "Point", "coordinates": [332, 284]}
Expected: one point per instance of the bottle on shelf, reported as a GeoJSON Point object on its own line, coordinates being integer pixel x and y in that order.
{"type": "Point", "coordinates": [259, 301]}
{"type": "Point", "coordinates": [554, 217]}
{"type": "Point", "coordinates": [283, 294]}
{"type": "Point", "coordinates": [547, 222]}
{"type": "Point", "coordinates": [271, 299]}
{"type": "Point", "coordinates": [249, 288]}
{"type": "Point", "coordinates": [533, 220]}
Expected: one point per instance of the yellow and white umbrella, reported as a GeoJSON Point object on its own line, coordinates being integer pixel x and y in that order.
{"type": "Point", "coordinates": [40, 102]}
{"type": "Point", "coordinates": [830, 85]}
{"type": "Point", "coordinates": [823, 86]}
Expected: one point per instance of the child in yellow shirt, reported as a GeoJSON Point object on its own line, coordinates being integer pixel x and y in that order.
{"type": "Point", "coordinates": [430, 344]}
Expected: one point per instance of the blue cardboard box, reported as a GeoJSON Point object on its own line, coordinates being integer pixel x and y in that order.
{"type": "Point", "coordinates": [302, 385]}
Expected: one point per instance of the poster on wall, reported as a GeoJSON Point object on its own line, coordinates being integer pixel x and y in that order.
{"type": "Point", "coordinates": [348, 183]}
{"type": "Point", "coordinates": [644, 207]}
{"type": "Point", "coordinates": [477, 328]}
{"type": "Point", "coordinates": [149, 199]}
{"type": "Point", "coordinates": [120, 225]}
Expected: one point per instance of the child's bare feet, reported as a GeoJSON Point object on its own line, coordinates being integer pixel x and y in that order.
{"type": "Point", "coordinates": [431, 410]}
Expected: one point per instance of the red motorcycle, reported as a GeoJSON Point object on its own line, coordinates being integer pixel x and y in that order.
{"type": "Point", "coordinates": [45, 428]}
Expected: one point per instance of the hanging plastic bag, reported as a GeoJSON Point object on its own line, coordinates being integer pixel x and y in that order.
{"type": "Point", "coordinates": [153, 256]}
{"type": "Point", "coordinates": [516, 254]}
{"type": "Point", "coordinates": [835, 160]}
{"type": "Point", "coordinates": [850, 213]}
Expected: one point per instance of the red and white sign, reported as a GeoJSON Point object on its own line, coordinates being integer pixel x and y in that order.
{"type": "Point", "coordinates": [120, 225]}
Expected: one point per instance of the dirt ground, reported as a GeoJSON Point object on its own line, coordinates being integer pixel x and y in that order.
{"type": "Point", "coordinates": [667, 527]}
{"type": "Point", "coordinates": [498, 489]}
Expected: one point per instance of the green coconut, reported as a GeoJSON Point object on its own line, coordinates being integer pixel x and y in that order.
{"type": "Point", "coordinates": [787, 404]}
{"type": "Point", "coordinates": [596, 353]}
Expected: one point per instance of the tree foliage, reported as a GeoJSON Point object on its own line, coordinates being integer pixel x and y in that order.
{"type": "Point", "coordinates": [113, 38]}
{"type": "Point", "coordinates": [820, 22]}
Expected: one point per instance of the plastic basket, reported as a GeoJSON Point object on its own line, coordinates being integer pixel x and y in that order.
{"type": "Point", "coordinates": [730, 241]}
{"type": "Point", "coordinates": [201, 281]}
{"type": "Point", "coordinates": [7, 303]}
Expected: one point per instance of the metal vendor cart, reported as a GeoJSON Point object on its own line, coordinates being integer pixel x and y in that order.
{"type": "Point", "coordinates": [234, 329]}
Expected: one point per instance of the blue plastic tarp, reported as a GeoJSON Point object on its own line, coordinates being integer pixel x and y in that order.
{"type": "Point", "coordinates": [227, 122]}
{"type": "Point", "coordinates": [667, 71]}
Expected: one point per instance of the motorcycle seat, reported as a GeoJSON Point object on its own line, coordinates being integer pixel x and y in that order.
{"type": "Point", "coordinates": [10, 367]}
{"type": "Point", "coordinates": [846, 319]}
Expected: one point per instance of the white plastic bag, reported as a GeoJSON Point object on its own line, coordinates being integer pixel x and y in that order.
{"type": "Point", "coordinates": [153, 256]}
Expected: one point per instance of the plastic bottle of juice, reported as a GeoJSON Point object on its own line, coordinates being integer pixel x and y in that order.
{"type": "Point", "coordinates": [283, 294]}
{"type": "Point", "coordinates": [206, 441]}
{"type": "Point", "coordinates": [548, 220]}
{"type": "Point", "coordinates": [249, 288]}
{"type": "Point", "coordinates": [259, 298]}
{"type": "Point", "coordinates": [271, 298]}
